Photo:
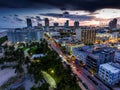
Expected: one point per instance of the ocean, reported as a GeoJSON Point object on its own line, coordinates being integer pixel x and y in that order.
{"type": "Point", "coordinates": [3, 32]}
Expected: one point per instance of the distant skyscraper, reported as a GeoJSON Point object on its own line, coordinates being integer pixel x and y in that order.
{"type": "Point", "coordinates": [66, 23]}
{"type": "Point", "coordinates": [56, 24]}
{"type": "Point", "coordinates": [46, 22]}
{"type": "Point", "coordinates": [113, 23]}
{"type": "Point", "coordinates": [76, 24]}
{"type": "Point", "coordinates": [39, 25]}
{"type": "Point", "coordinates": [29, 22]}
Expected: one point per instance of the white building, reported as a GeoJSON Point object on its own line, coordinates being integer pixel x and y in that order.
{"type": "Point", "coordinates": [24, 35]}
{"type": "Point", "coordinates": [117, 57]}
{"type": "Point", "coordinates": [78, 33]}
{"type": "Point", "coordinates": [54, 34]}
{"type": "Point", "coordinates": [110, 73]}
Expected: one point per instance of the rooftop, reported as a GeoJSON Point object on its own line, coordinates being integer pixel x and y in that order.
{"type": "Point", "coordinates": [110, 67]}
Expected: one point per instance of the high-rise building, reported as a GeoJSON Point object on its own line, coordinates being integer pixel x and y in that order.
{"type": "Point", "coordinates": [29, 22]}
{"type": "Point", "coordinates": [56, 24]}
{"type": "Point", "coordinates": [113, 23]}
{"type": "Point", "coordinates": [76, 24]}
{"type": "Point", "coordinates": [86, 35]}
{"type": "Point", "coordinates": [78, 33]}
{"type": "Point", "coordinates": [66, 23]}
{"type": "Point", "coordinates": [24, 35]}
{"type": "Point", "coordinates": [46, 22]}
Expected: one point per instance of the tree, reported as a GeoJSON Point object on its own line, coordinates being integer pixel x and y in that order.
{"type": "Point", "coordinates": [45, 86]}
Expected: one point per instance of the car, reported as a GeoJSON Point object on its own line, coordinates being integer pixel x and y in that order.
{"type": "Point", "coordinates": [95, 82]}
{"type": "Point", "coordinates": [85, 86]}
{"type": "Point", "coordinates": [78, 70]}
{"type": "Point", "coordinates": [89, 77]}
{"type": "Point", "coordinates": [80, 80]}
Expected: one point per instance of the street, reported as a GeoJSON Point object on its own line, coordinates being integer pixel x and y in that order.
{"type": "Point", "coordinates": [83, 74]}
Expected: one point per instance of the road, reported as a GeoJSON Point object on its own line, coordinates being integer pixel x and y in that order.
{"type": "Point", "coordinates": [84, 73]}
{"type": "Point", "coordinates": [89, 84]}
{"type": "Point", "coordinates": [101, 86]}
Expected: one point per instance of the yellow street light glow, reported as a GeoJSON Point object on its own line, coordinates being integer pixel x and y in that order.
{"type": "Point", "coordinates": [52, 71]}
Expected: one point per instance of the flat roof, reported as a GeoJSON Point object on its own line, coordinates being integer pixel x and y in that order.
{"type": "Point", "coordinates": [110, 67]}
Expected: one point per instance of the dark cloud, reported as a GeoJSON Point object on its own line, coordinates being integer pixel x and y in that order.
{"type": "Point", "coordinates": [18, 19]}
{"type": "Point", "coordinates": [53, 15]}
{"type": "Point", "coordinates": [66, 13]}
{"type": "Point", "coordinates": [38, 18]}
{"type": "Point", "coordinates": [14, 3]}
{"type": "Point", "coordinates": [70, 16]}
{"type": "Point", "coordinates": [14, 18]}
{"type": "Point", "coordinates": [89, 5]}
{"type": "Point", "coordinates": [16, 15]}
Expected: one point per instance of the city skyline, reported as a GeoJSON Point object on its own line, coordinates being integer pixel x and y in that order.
{"type": "Point", "coordinates": [87, 12]}
{"type": "Point", "coordinates": [59, 45]}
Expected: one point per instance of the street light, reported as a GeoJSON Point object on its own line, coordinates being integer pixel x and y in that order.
{"type": "Point", "coordinates": [52, 71]}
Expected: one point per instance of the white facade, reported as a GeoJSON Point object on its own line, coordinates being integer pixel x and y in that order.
{"type": "Point", "coordinates": [53, 34]}
{"type": "Point", "coordinates": [26, 35]}
{"type": "Point", "coordinates": [110, 73]}
{"type": "Point", "coordinates": [114, 35]}
{"type": "Point", "coordinates": [78, 33]}
{"type": "Point", "coordinates": [109, 35]}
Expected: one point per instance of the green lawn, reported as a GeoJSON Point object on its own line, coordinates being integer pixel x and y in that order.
{"type": "Point", "coordinates": [49, 79]}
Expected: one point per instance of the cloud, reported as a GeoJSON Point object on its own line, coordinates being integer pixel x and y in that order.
{"type": "Point", "coordinates": [66, 13]}
{"type": "Point", "coordinates": [88, 5]}
{"type": "Point", "coordinates": [18, 19]}
{"type": "Point", "coordinates": [34, 18]}
{"type": "Point", "coordinates": [14, 3]}
{"type": "Point", "coordinates": [13, 18]}
{"type": "Point", "coordinates": [70, 16]}
{"type": "Point", "coordinates": [16, 15]}
{"type": "Point", "coordinates": [38, 18]}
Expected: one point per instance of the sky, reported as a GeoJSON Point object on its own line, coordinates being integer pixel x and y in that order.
{"type": "Point", "coordinates": [13, 14]}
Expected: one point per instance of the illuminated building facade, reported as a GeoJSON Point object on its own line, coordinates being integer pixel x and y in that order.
{"type": "Point", "coordinates": [21, 35]}
{"type": "Point", "coordinates": [87, 36]}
